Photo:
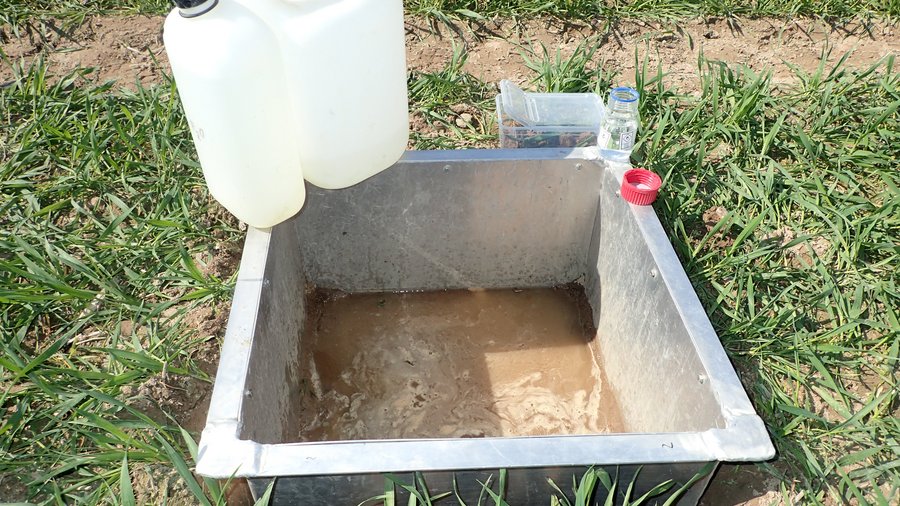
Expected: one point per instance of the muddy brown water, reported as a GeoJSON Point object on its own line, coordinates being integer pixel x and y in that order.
{"type": "Point", "coordinates": [453, 364]}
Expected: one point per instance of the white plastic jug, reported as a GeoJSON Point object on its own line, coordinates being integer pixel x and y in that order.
{"type": "Point", "coordinates": [228, 68]}
{"type": "Point", "coordinates": [345, 62]}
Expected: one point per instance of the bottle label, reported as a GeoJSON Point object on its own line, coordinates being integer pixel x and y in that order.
{"type": "Point", "coordinates": [626, 140]}
{"type": "Point", "coordinates": [603, 138]}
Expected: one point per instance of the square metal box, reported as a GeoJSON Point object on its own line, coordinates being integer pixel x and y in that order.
{"type": "Point", "coordinates": [485, 219]}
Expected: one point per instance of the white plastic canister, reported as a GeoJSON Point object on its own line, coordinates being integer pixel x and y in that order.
{"type": "Point", "coordinates": [345, 62]}
{"type": "Point", "coordinates": [228, 68]}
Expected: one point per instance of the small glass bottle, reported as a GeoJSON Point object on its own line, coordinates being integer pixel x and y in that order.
{"type": "Point", "coordinates": [619, 127]}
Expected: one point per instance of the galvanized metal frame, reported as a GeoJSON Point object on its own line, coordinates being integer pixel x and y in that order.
{"type": "Point", "coordinates": [740, 436]}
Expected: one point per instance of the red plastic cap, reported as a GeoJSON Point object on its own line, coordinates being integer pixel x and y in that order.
{"type": "Point", "coordinates": [640, 186]}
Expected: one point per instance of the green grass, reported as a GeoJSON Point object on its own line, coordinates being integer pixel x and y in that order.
{"type": "Point", "coordinates": [16, 12]}
{"type": "Point", "coordinates": [449, 11]}
{"type": "Point", "coordinates": [102, 212]}
{"type": "Point", "coordinates": [438, 101]}
{"type": "Point", "coordinates": [651, 9]}
{"type": "Point", "coordinates": [574, 73]}
{"type": "Point", "coordinates": [595, 485]}
{"type": "Point", "coordinates": [800, 277]}
{"type": "Point", "coordinates": [104, 219]}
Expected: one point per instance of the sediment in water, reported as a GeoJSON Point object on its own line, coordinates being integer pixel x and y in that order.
{"type": "Point", "coordinates": [447, 364]}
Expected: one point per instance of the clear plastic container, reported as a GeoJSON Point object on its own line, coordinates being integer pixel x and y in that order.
{"type": "Point", "coordinates": [619, 128]}
{"type": "Point", "coordinates": [547, 120]}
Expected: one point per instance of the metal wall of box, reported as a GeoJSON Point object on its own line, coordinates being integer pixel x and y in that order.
{"type": "Point", "coordinates": [480, 219]}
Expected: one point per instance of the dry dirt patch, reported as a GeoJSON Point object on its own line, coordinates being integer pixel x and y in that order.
{"type": "Point", "coordinates": [130, 49]}
{"type": "Point", "coordinates": [742, 485]}
{"type": "Point", "coordinates": [126, 49]}
{"type": "Point", "coordinates": [762, 44]}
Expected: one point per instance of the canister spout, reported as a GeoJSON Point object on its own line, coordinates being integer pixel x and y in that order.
{"type": "Point", "coordinates": [194, 8]}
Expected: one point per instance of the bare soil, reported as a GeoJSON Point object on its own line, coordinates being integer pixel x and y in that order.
{"type": "Point", "coordinates": [494, 51]}
{"type": "Point", "coordinates": [126, 49]}
{"type": "Point", "coordinates": [742, 485]}
{"type": "Point", "coordinates": [12, 489]}
{"type": "Point", "coordinates": [129, 49]}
